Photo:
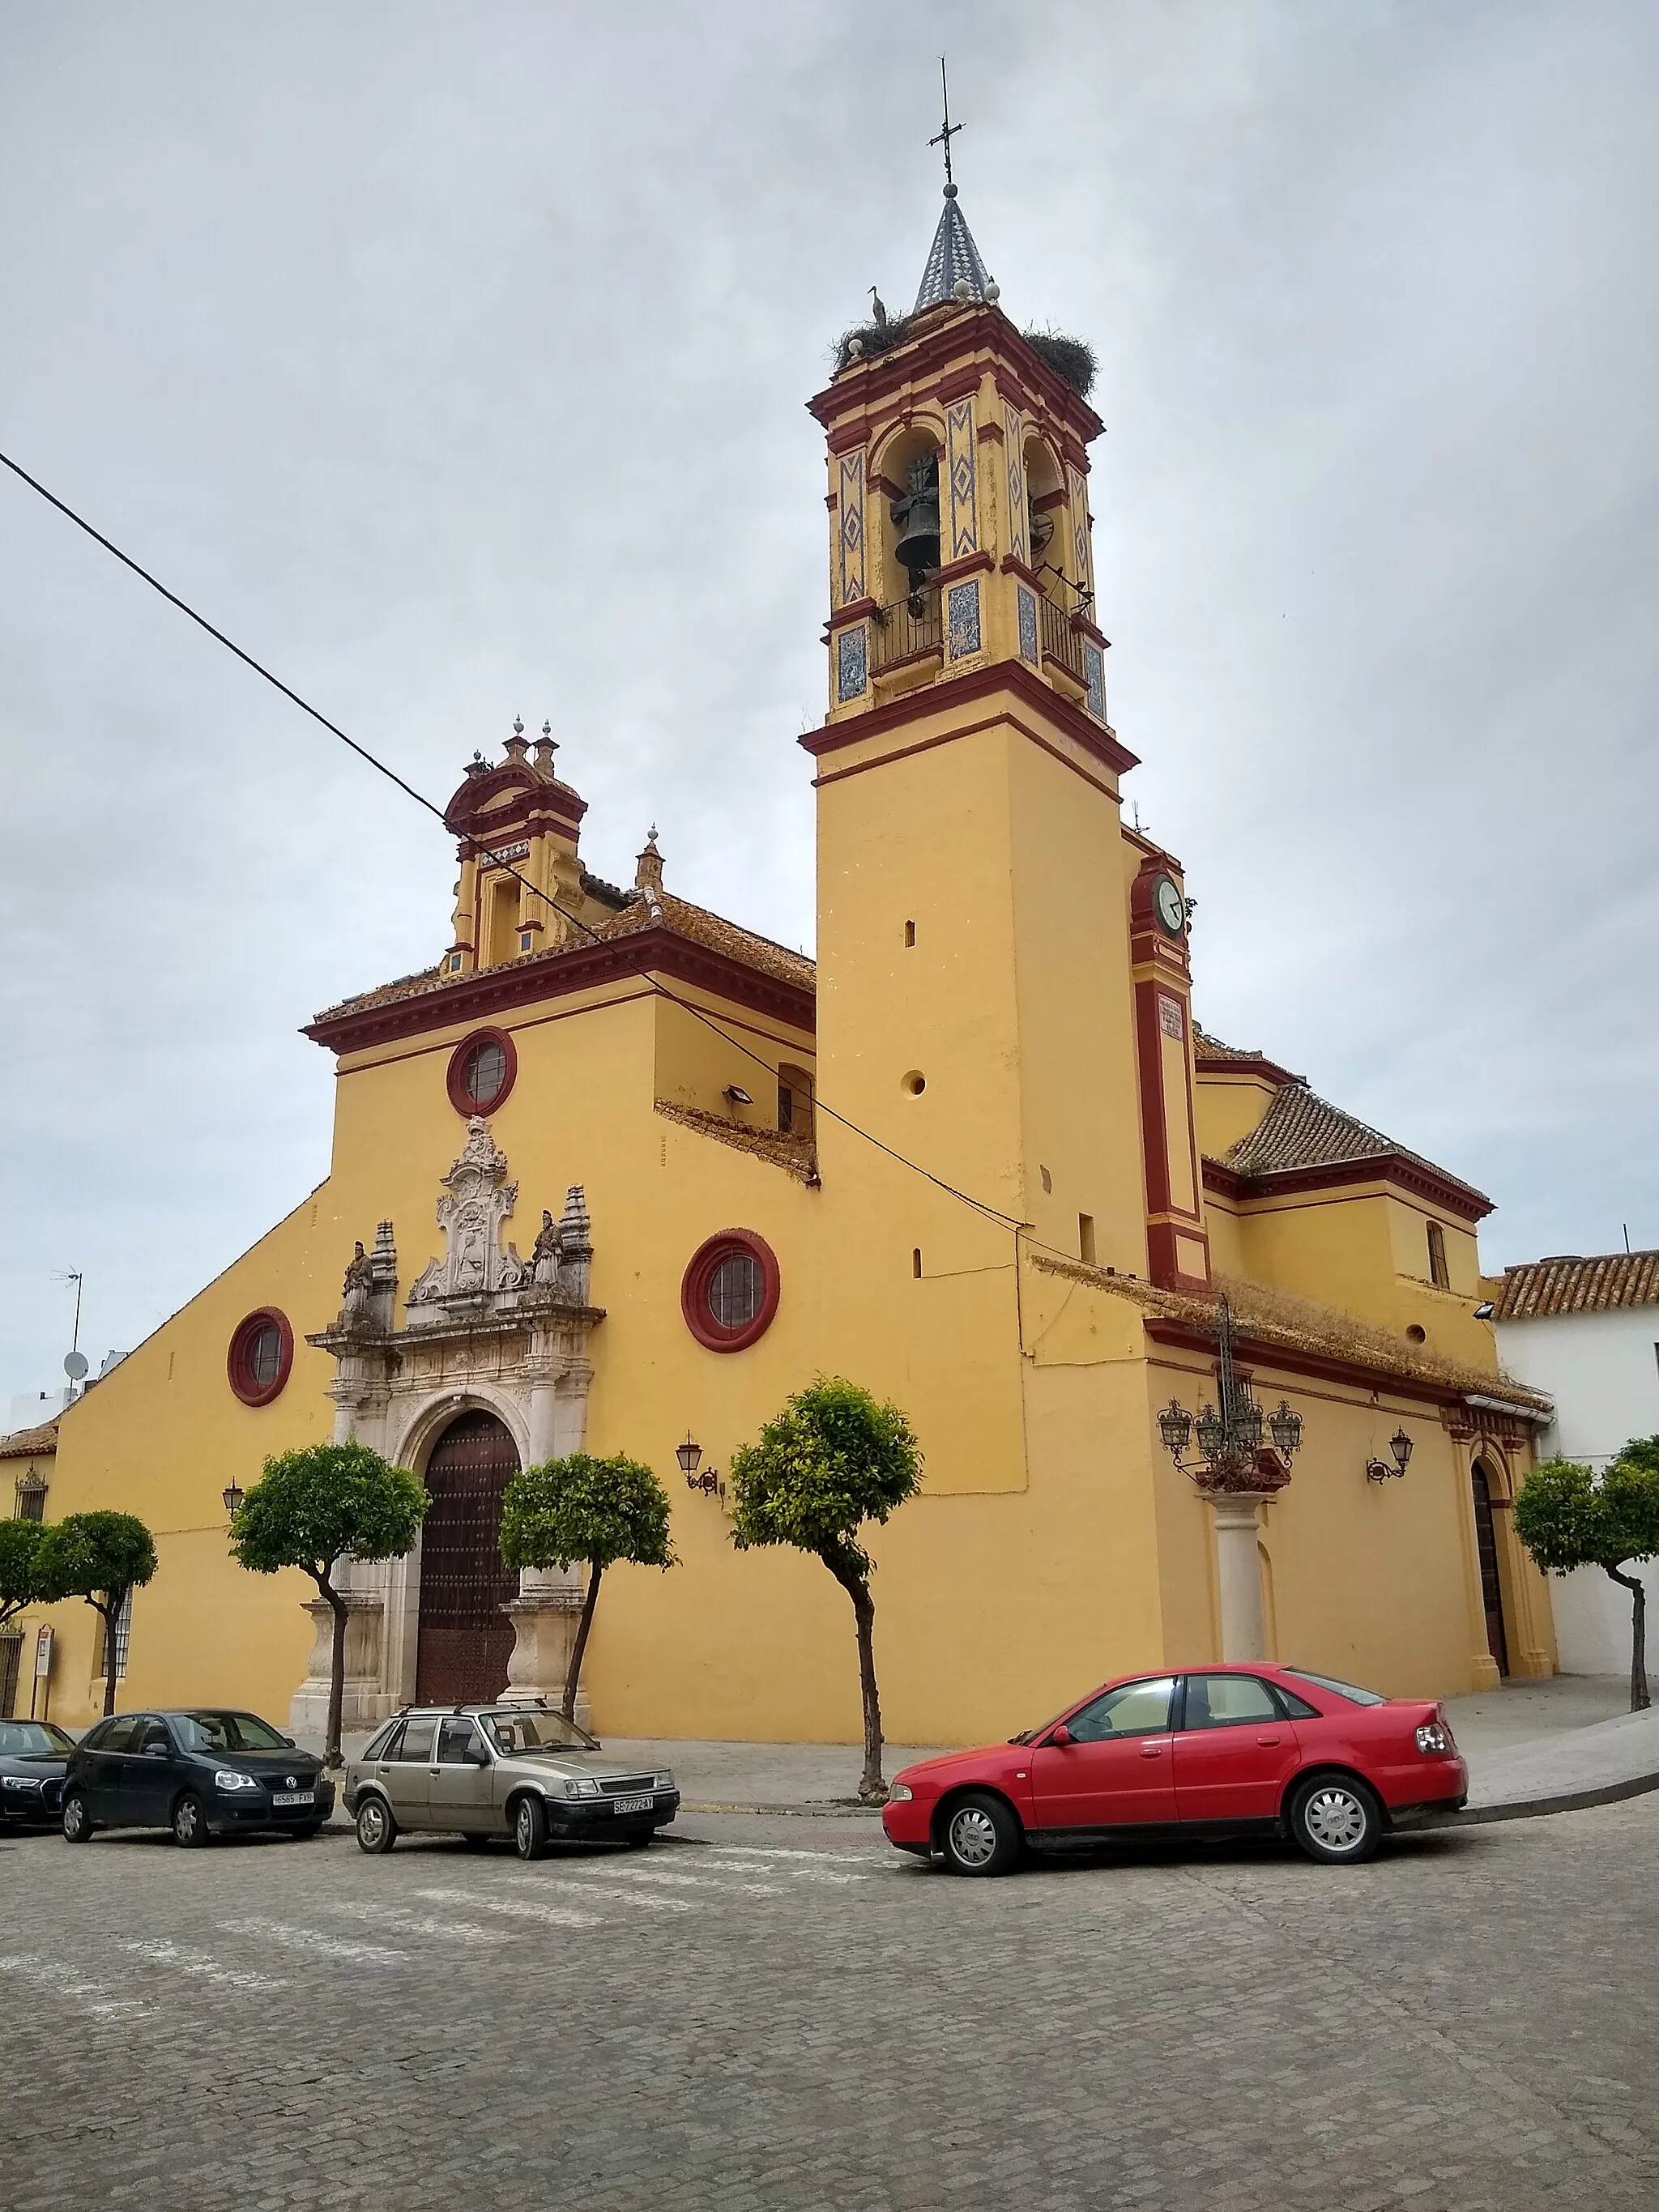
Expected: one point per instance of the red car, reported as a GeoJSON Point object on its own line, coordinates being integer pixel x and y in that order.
{"type": "Point", "coordinates": [1232, 1749]}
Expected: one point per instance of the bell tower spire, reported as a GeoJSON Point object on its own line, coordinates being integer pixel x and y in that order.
{"type": "Point", "coordinates": [955, 270]}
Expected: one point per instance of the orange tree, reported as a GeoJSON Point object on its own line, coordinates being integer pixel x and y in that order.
{"type": "Point", "coordinates": [1567, 1518]}
{"type": "Point", "coordinates": [595, 1510]}
{"type": "Point", "coordinates": [833, 1459]}
{"type": "Point", "coordinates": [101, 1557]}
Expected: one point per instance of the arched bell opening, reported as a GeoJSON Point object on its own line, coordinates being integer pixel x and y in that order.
{"type": "Point", "coordinates": [1046, 523]}
{"type": "Point", "coordinates": [909, 478]}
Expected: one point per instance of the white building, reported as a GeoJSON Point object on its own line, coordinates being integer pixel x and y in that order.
{"type": "Point", "coordinates": [1587, 1331]}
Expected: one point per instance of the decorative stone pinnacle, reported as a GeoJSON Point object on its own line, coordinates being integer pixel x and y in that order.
{"type": "Point", "coordinates": [647, 874]}
{"type": "Point", "coordinates": [516, 747]}
{"type": "Point", "coordinates": [546, 745]}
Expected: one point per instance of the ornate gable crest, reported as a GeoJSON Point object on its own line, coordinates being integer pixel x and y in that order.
{"type": "Point", "coordinates": [476, 1204]}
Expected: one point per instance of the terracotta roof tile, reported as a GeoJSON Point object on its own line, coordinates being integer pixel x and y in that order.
{"type": "Point", "coordinates": [1605, 1283]}
{"type": "Point", "coordinates": [639, 912]}
{"type": "Point", "coordinates": [1300, 1130]}
{"type": "Point", "coordinates": [31, 1444]}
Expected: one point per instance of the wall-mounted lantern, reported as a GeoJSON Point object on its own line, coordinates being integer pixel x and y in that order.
{"type": "Point", "coordinates": [689, 1456]}
{"type": "Point", "coordinates": [1379, 1470]}
{"type": "Point", "coordinates": [233, 1495]}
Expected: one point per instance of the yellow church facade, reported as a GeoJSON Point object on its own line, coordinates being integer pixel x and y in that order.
{"type": "Point", "coordinates": [624, 1175]}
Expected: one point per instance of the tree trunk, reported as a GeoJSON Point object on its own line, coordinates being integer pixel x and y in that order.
{"type": "Point", "coordinates": [109, 1613]}
{"type": "Point", "coordinates": [573, 1680]}
{"type": "Point", "coordinates": [332, 1752]}
{"type": "Point", "coordinates": [1639, 1638]}
{"type": "Point", "coordinates": [873, 1791]}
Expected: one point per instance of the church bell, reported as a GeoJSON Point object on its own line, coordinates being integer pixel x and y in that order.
{"type": "Point", "coordinates": [917, 517]}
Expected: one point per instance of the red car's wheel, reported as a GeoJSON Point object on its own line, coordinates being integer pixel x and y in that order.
{"type": "Point", "coordinates": [1336, 1819]}
{"type": "Point", "coordinates": [981, 1836]}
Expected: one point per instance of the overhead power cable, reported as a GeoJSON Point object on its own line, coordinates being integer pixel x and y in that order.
{"type": "Point", "coordinates": [698, 1014]}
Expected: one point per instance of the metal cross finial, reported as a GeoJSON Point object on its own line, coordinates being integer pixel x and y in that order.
{"type": "Point", "coordinates": [950, 128]}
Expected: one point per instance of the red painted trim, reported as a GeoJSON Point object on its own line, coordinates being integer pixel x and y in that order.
{"type": "Point", "coordinates": [237, 1373]}
{"type": "Point", "coordinates": [970, 564]}
{"type": "Point", "coordinates": [1269, 1071]}
{"type": "Point", "coordinates": [555, 974]}
{"type": "Point", "coordinates": [1154, 1124]}
{"type": "Point", "coordinates": [971, 730]}
{"type": "Point", "coordinates": [1015, 567]}
{"type": "Point", "coordinates": [1027, 378]}
{"type": "Point", "coordinates": [455, 1079]}
{"type": "Point", "coordinates": [1163, 1261]}
{"type": "Point", "coordinates": [854, 610]}
{"type": "Point", "coordinates": [699, 1273]}
{"type": "Point", "coordinates": [966, 381]}
{"type": "Point", "coordinates": [952, 691]}
{"type": "Point", "coordinates": [1422, 1181]}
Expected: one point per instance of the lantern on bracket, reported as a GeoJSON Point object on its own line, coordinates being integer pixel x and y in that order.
{"type": "Point", "coordinates": [1400, 1448]}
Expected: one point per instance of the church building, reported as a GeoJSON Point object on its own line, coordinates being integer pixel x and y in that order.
{"type": "Point", "coordinates": [618, 1173]}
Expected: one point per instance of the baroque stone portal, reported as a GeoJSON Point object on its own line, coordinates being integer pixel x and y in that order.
{"type": "Point", "coordinates": [482, 1329]}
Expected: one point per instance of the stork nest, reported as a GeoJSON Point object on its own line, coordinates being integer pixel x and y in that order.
{"type": "Point", "coordinates": [1069, 358]}
{"type": "Point", "coordinates": [871, 338]}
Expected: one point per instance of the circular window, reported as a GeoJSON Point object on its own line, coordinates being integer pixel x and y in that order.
{"type": "Point", "coordinates": [261, 1354]}
{"type": "Point", "coordinates": [729, 1293]}
{"type": "Point", "coordinates": [481, 1071]}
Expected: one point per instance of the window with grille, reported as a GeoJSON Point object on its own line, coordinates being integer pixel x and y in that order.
{"type": "Point", "coordinates": [30, 1498]}
{"type": "Point", "coordinates": [482, 1069]}
{"type": "Point", "coordinates": [115, 1642]}
{"type": "Point", "coordinates": [730, 1290]}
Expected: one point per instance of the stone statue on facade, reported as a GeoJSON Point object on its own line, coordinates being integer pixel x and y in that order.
{"type": "Point", "coordinates": [359, 1288]}
{"type": "Point", "coordinates": [544, 1261]}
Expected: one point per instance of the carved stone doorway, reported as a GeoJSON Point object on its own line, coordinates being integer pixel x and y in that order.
{"type": "Point", "coordinates": [1492, 1588]}
{"type": "Point", "coordinates": [465, 1640]}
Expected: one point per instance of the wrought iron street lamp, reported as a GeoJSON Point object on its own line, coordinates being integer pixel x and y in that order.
{"type": "Point", "coordinates": [1400, 1445]}
{"type": "Point", "coordinates": [233, 1494]}
{"type": "Point", "coordinates": [1230, 1433]}
{"type": "Point", "coordinates": [689, 1456]}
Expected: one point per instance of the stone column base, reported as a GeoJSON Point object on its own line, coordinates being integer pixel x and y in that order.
{"type": "Point", "coordinates": [1486, 1676]}
{"type": "Point", "coordinates": [363, 1704]}
{"type": "Point", "coordinates": [1239, 1572]}
{"type": "Point", "coordinates": [545, 1625]}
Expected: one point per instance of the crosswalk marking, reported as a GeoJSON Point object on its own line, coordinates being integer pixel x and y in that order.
{"type": "Point", "coordinates": [161, 1953]}
{"type": "Point", "coordinates": [393, 1918]}
{"type": "Point", "coordinates": [517, 1908]}
{"type": "Point", "coordinates": [795, 1873]}
{"type": "Point", "coordinates": [308, 1939]}
{"type": "Point", "coordinates": [88, 1997]}
{"type": "Point", "coordinates": [783, 1851]}
{"type": "Point", "coordinates": [701, 1882]}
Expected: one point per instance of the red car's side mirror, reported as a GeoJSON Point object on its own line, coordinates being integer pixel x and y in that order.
{"type": "Point", "coordinates": [1060, 1737]}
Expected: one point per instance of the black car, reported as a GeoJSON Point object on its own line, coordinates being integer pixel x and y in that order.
{"type": "Point", "coordinates": [32, 1756]}
{"type": "Point", "coordinates": [202, 1772]}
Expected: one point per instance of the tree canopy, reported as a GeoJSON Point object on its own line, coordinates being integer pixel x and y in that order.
{"type": "Point", "coordinates": [832, 1460]}
{"type": "Point", "coordinates": [312, 1507]}
{"type": "Point", "coordinates": [91, 1555]}
{"type": "Point", "coordinates": [1567, 1518]}
{"type": "Point", "coordinates": [596, 1510]}
{"type": "Point", "coordinates": [20, 1580]}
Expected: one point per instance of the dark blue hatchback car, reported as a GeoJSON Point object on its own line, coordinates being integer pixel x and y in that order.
{"type": "Point", "coordinates": [202, 1772]}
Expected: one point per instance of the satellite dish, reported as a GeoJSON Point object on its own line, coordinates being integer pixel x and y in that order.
{"type": "Point", "coordinates": [76, 1365]}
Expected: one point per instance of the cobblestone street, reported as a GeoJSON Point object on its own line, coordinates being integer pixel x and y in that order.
{"type": "Point", "coordinates": [782, 2013]}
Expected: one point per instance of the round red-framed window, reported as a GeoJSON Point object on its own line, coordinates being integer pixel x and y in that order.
{"type": "Point", "coordinates": [261, 1355]}
{"type": "Point", "coordinates": [729, 1292]}
{"type": "Point", "coordinates": [482, 1069]}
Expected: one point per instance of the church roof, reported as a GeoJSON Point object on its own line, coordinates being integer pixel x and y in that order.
{"type": "Point", "coordinates": [662, 910]}
{"type": "Point", "coordinates": [1302, 1131]}
{"type": "Point", "coordinates": [953, 256]}
{"type": "Point", "coordinates": [1606, 1283]}
{"type": "Point", "coordinates": [1209, 1052]}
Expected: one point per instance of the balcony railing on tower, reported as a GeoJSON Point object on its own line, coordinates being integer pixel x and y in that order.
{"type": "Point", "coordinates": [1062, 641]}
{"type": "Point", "coordinates": [911, 626]}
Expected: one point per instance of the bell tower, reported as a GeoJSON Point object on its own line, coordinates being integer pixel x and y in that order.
{"type": "Point", "coordinates": [975, 987]}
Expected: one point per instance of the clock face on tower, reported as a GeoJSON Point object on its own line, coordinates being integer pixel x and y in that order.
{"type": "Point", "coordinates": [1170, 906]}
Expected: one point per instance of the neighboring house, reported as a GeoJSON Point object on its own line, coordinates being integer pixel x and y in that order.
{"type": "Point", "coordinates": [29, 1456]}
{"type": "Point", "coordinates": [1586, 1331]}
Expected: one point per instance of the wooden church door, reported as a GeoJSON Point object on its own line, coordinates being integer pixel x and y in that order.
{"type": "Point", "coordinates": [465, 1640]}
{"type": "Point", "coordinates": [1491, 1589]}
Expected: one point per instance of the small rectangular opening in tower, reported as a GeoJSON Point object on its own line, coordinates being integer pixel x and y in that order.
{"type": "Point", "coordinates": [1439, 1275]}
{"type": "Point", "coordinates": [909, 933]}
{"type": "Point", "coordinates": [916, 1263]}
{"type": "Point", "coordinates": [1086, 1238]}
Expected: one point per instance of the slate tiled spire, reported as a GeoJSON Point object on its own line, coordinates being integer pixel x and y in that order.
{"type": "Point", "coordinates": [953, 256]}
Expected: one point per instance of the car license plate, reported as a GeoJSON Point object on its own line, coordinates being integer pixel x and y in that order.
{"type": "Point", "coordinates": [280, 1797]}
{"type": "Point", "coordinates": [633, 1804]}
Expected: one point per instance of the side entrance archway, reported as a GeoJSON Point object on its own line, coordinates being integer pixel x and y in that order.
{"type": "Point", "coordinates": [465, 1640]}
{"type": "Point", "coordinates": [1492, 1588]}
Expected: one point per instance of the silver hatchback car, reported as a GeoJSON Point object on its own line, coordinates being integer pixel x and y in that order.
{"type": "Point", "coordinates": [484, 1771]}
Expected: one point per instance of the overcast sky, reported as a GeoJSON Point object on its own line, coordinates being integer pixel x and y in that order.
{"type": "Point", "coordinates": [454, 361]}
